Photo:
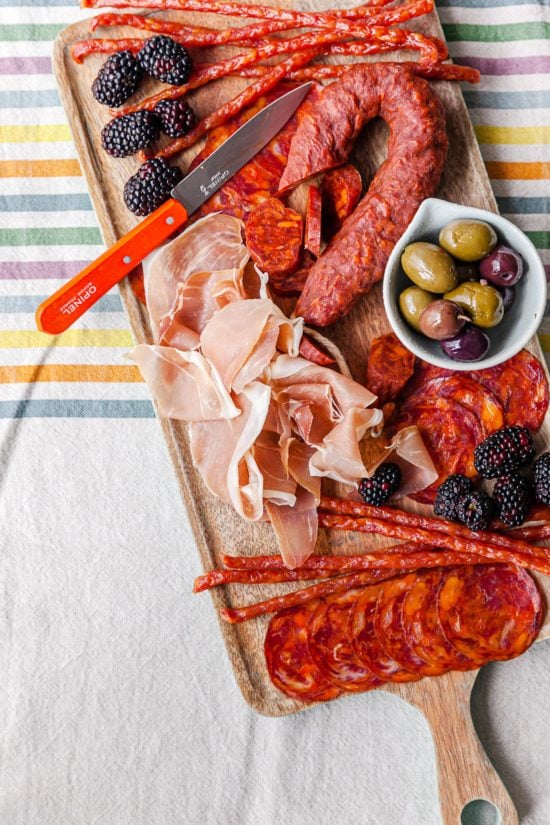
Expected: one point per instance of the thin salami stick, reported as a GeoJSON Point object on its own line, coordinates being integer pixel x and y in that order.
{"type": "Point", "coordinates": [536, 532]}
{"type": "Point", "coordinates": [236, 104]}
{"type": "Point", "coordinates": [436, 526]}
{"type": "Point", "coordinates": [438, 71]}
{"type": "Point", "coordinates": [340, 584]}
{"type": "Point", "coordinates": [214, 578]}
{"type": "Point", "coordinates": [201, 36]}
{"type": "Point", "coordinates": [98, 45]}
{"type": "Point", "coordinates": [192, 35]}
{"type": "Point", "coordinates": [489, 552]}
{"type": "Point", "coordinates": [334, 563]}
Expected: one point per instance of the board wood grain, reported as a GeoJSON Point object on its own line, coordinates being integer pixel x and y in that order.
{"type": "Point", "coordinates": [465, 772]}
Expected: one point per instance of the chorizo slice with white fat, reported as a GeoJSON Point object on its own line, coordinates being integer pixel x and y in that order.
{"type": "Point", "coordinates": [289, 662]}
{"type": "Point", "coordinates": [330, 646]}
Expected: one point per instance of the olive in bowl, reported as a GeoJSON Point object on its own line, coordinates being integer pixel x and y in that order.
{"type": "Point", "coordinates": [441, 320]}
{"type": "Point", "coordinates": [519, 308]}
{"type": "Point", "coordinates": [468, 240]}
{"type": "Point", "coordinates": [502, 267]}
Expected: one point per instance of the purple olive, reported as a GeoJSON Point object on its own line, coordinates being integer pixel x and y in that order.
{"type": "Point", "coordinates": [508, 297]}
{"type": "Point", "coordinates": [471, 344]}
{"type": "Point", "coordinates": [502, 267]}
{"type": "Point", "coordinates": [441, 319]}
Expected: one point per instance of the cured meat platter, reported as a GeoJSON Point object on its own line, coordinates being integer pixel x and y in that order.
{"type": "Point", "coordinates": [218, 529]}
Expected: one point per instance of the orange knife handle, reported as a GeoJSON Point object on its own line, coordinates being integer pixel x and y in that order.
{"type": "Point", "coordinates": [74, 298]}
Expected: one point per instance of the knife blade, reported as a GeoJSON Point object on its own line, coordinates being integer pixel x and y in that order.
{"type": "Point", "coordinates": [58, 312]}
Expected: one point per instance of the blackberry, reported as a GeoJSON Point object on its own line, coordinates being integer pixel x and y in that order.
{"type": "Point", "coordinates": [117, 79]}
{"type": "Point", "coordinates": [150, 186]}
{"type": "Point", "coordinates": [475, 510]}
{"type": "Point", "coordinates": [127, 134]}
{"type": "Point", "coordinates": [503, 452]}
{"type": "Point", "coordinates": [176, 116]}
{"type": "Point", "coordinates": [541, 478]}
{"type": "Point", "coordinates": [449, 494]}
{"type": "Point", "coordinates": [163, 58]}
{"type": "Point", "coordinates": [384, 483]}
{"type": "Point", "coordinates": [512, 496]}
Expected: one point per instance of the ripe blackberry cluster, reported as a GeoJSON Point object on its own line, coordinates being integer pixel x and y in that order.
{"type": "Point", "coordinates": [168, 61]}
{"type": "Point", "coordinates": [513, 495]}
{"type": "Point", "coordinates": [504, 451]}
{"type": "Point", "coordinates": [501, 455]}
{"type": "Point", "coordinates": [127, 134]}
{"type": "Point", "coordinates": [475, 510]}
{"type": "Point", "coordinates": [117, 80]}
{"type": "Point", "coordinates": [161, 57]}
{"type": "Point", "coordinates": [458, 500]}
{"type": "Point", "coordinates": [379, 487]}
{"type": "Point", "coordinates": [453, 489]}
{"type": "Point", "coordinates": [176, 116]}
{"type": "Point", "coordinates": [150, 186]}
{"type": "Point", "coordinates": [541, 478]}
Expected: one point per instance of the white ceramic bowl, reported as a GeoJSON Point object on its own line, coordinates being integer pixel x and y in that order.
{"type": "Point", "coordinates": [520, 322]}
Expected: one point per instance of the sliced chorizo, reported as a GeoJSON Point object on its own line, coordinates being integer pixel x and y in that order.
{"type": "Point", "coordinates": [340, 190]}
{"type": "Point", "coordinates": [330, 646]}
{"type": "Point", "coordinates": [366, 644]}
{"type": "Point", "coordinates": [489, 612]}
{"type": "Point", "coordinates": [470, 394]}
{"type": "Point", "coordinates": [422, 628]}
{"type": "Point", "coordinates": [388, 626]}
{"type": "Point", "coordinates": [273, 234]}
{"type": "Point", "coordinates": [289, 662]}
{"type": "Point", "coordinates": [389, 367]}
{"type": "Point", "coordinates": [522, 388]}
{"type": "Point", "coordinates": [290, 284]}
{"type": "Point", "coordinates": [312, 232]}
{"type": "Point", "coordinates": [313, 352]}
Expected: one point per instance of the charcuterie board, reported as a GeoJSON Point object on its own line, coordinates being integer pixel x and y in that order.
{"type": "Point", "coordinates": [464, 769]}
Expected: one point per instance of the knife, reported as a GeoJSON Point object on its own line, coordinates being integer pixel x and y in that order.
{"type": "Point", "coordinates": [58, 312]}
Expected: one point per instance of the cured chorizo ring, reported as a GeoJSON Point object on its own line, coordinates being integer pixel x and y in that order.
{"type": "Point", "coordinates": [417, 148]}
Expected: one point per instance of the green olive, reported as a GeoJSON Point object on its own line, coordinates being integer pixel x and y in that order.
{"type": "Point", "coordinates": [412, 303]}
{"type": "Point", "coordinates": [483, 303]}
{"type": "Point", "coordinates": [429, 267]}
{"type": "Point", "coordinates": [468, 240]}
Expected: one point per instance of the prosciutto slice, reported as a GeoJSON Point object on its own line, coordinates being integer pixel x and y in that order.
{"type": "Point", "coordinates": [339, 457]}
{"type": "Point", "coordinates": [286, 371]}
{"type": "Point", "coordinates": [211, 244]}
{"type": "Point", "coordinates": [255, 328]}
{"type": "Point", "coordinates": [295, 527]}
{"type": "Point", "coordinates": [222, 452]}
{"type": "Point", "coordinates": [196, 301]}
{"type": "Point", "coordinates": [184, 384]}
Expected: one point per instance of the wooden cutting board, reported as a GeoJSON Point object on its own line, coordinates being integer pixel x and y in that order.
{"type": "Point", "coordinates": [465, 772]}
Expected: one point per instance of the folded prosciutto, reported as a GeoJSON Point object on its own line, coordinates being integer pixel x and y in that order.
{"type": "Point", "coordinates": [265, 424]}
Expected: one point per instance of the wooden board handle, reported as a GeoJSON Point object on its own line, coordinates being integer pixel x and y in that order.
{"type": "Point", "coordinates": [465, 773]}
